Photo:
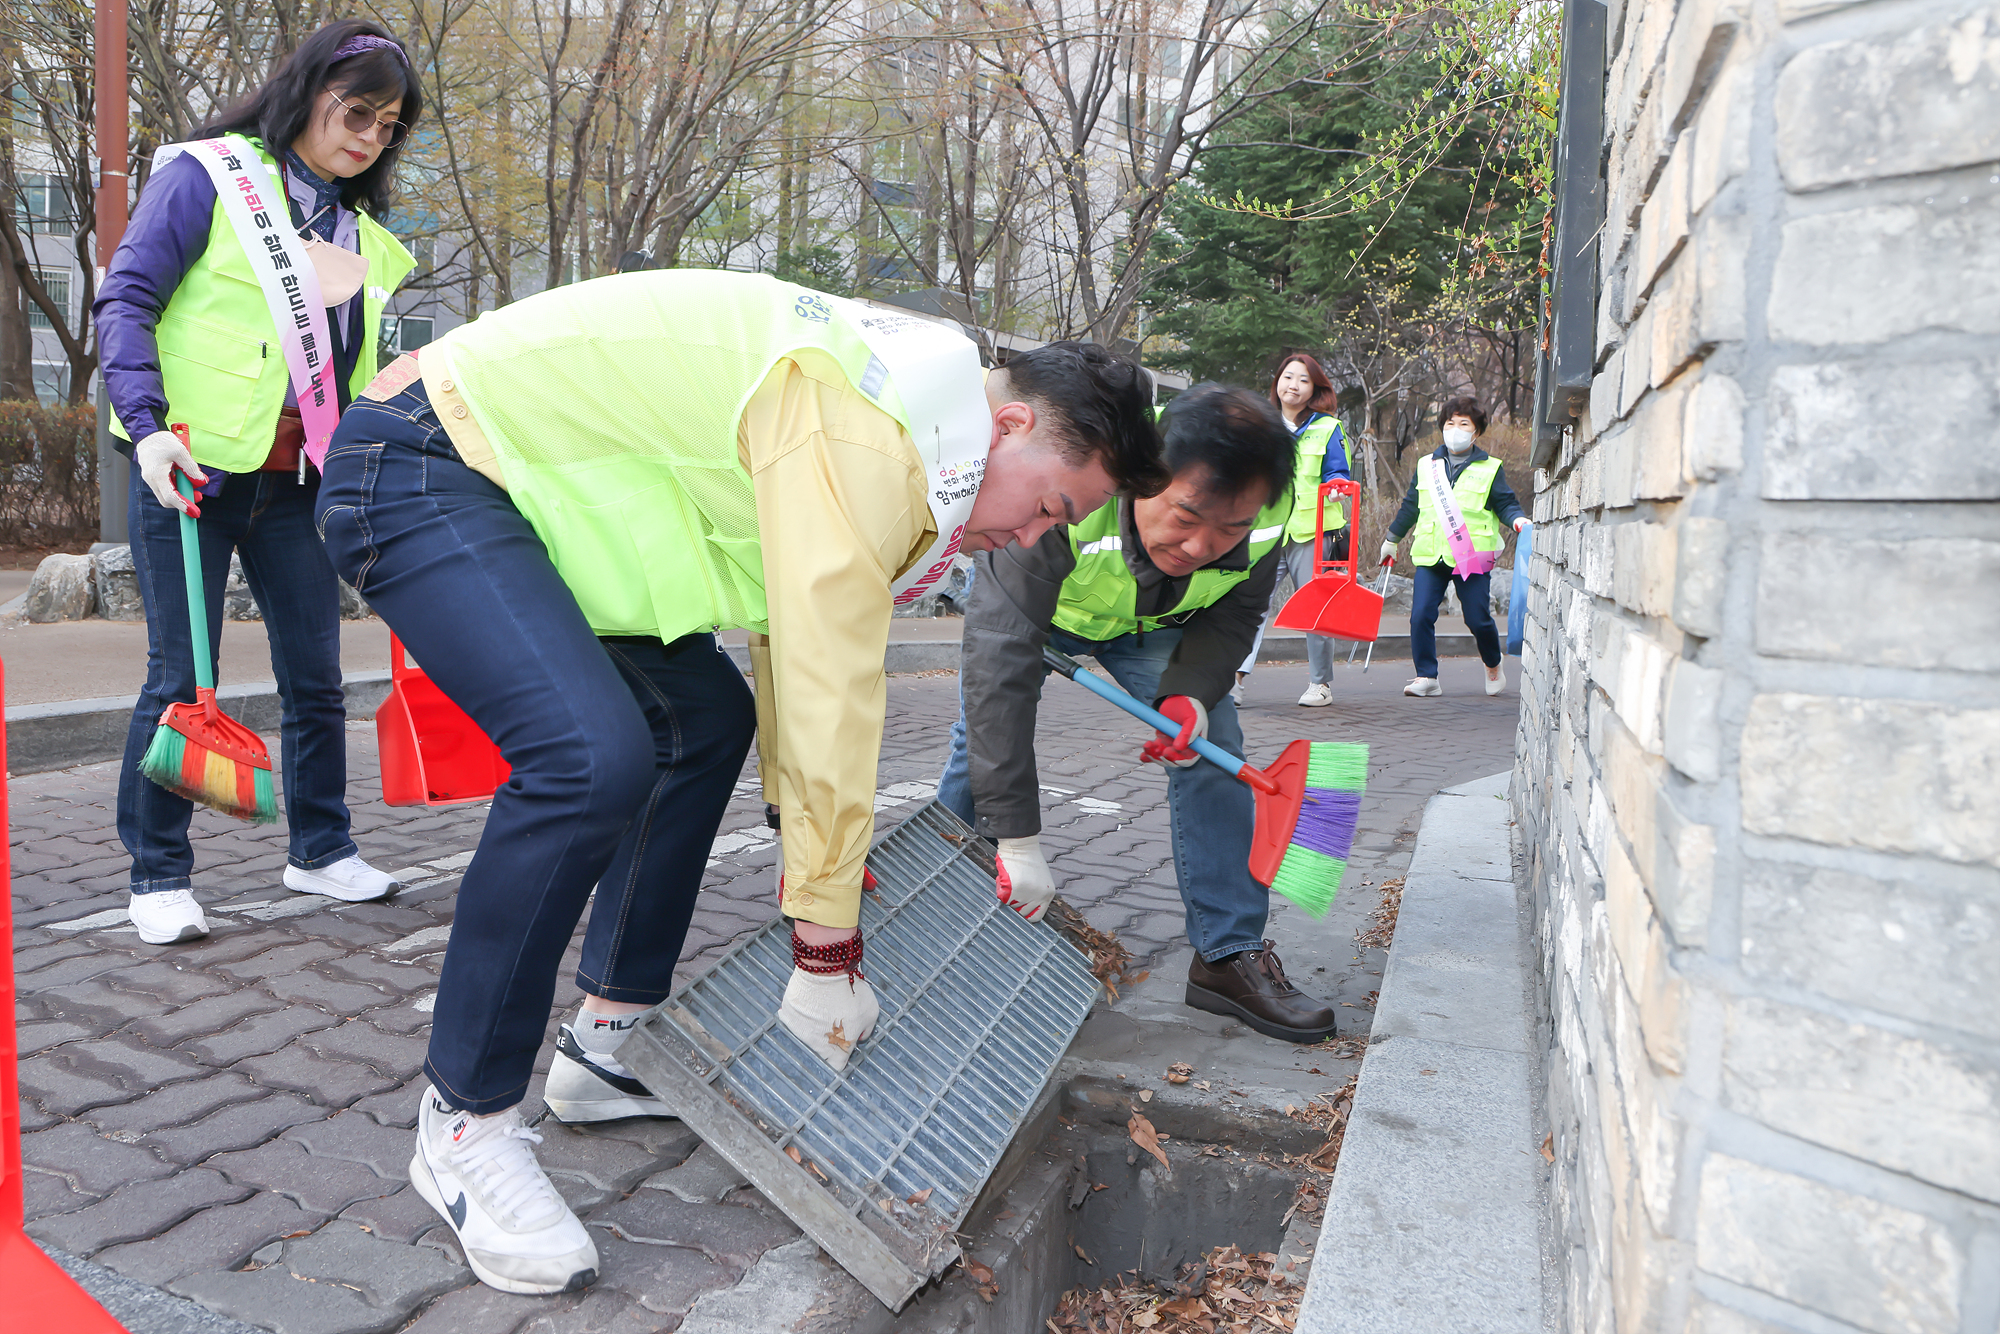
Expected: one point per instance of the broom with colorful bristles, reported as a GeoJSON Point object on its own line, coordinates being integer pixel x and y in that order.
{"type": "Point", "coordinates": [200, 752]}
{"type": "Point", "coordinates": [1307, 801]}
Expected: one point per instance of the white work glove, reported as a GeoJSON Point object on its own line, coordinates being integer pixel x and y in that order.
{"type": "Point", "coordinates": [157, 456]}
{"type": "Point", "coordinates": [1192, 715]}
{"type": "Point", "coordinates": [1022, 880]}
{"type": "Point", "coordinates": [1523, 522]}
{"type": "Point", "coordinates": [829, 1012]}
{"type": "Point", "coordinates": [1388, 553]}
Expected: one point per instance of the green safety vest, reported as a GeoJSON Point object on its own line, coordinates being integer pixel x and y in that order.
{"type": "Point", "coordinates": [1429, 546]}
{"type": "Point", "coordinates": [1100, 598]}
{"type": "Point", "coordinates": [612, 406]}
{"type": "Point", "coordinates": [1301, 523]}
{"type": "Point", "coordinates": [221, 367]}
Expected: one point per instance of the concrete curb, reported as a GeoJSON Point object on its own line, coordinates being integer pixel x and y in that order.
{"type": "Point", "coordinates": [142, 1308]}
{"type": "Point", "coordinates": [61, 735]}
{"type": "Point", "coordinates": [1434, 1221]}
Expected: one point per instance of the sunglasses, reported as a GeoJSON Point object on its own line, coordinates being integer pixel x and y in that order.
{"type": "Point", "coordinates": [362, 120]}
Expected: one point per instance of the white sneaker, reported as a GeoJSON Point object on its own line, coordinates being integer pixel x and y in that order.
{"type": "Point", "coordinates": [480, 1174]}
{"type": "Point", "coordinates": [1424, 686]}
{"type": "Point", "coordinates": [589, 1086]}
{"type": "Point", "coordinates": [1236, 693]}
{"type": "Point", "coordinates": [1316, 697]}
{"type": "Point", "coordinates": [351, 880]}
{"type": "Point", "coordinates": [168, 917]}
{"type": "Point", "coordinates": [1496, 680]}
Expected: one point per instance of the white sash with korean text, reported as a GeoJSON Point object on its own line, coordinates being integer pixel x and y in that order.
{"type": "Point", "coordinates": [258, 212]}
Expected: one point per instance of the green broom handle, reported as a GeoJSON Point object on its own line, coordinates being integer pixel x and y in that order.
{"type": "Point", "coordinates": [204, 665]}
{"type": "Point", "coordinates": [1202, 746]}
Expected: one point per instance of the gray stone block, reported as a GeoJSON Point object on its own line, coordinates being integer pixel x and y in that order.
{"type": "Point", "coordinates": [61, 590]}
{"type": "Point", "coordinates": [1881, 259]}
{"type": "Point", "coordinates": [135, 1212]}
{"type": "Point", "coordinates": [140, 1307]}
{"type": "Point", "coordinates": [1851, 600]}
{"type": "Point", "coordinates": [705, 1178]}
{"type": "Point", "coordinates": [1898, 103]}
{"type": "Point", "coordinates": [353, 1284]}
{"type": "Point", "coordinates": [318, 1185]}
{"type": "Point", "coordinates": [728, 1234]}
{"type": "Point", "coordinates": [1833, 430]}
{"type": "Point", "coordinates": [118, 597]}
{"type": "Point", "coordinates": [218, 1238]}
{"type": "Point", "coordinates": [250, 1120]}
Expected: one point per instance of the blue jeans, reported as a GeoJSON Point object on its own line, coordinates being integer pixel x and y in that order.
{"type": "Point", "coordinates": [1473, 599]}
{"type": "Point", "coordinates": [267, 517]}
{"type": "Point", "coordinates": [624, 750]}
{"type": "Point", "coordinates": [1212, 814]}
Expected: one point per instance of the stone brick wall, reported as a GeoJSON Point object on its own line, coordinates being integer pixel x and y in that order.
{"type": "Point", "coordinates": [1758, 775]}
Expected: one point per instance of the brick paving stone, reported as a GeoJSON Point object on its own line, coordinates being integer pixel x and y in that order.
{"type": "Point", "coordinates": [85, 959]}
{"type": "Point", "coordinates": [354, 1283]}
{"type": "Point", "coordinates": [322, 1185]}
{"type": "Point", "coordinates": [218, 1238]}
{"type": "Point", "coordinates": [34, 1118]}
{"type": "Point", "coordinates": [45, 1193]}
{"type": "Point", "coordinates": [91, 1002]}
{"type": "Point", "coordinates": [329, 1083]}
{"type": "Point", "coordinates": [353, 1137]}
{"type": "Point", "coordinates": [665, 1280]}
{"type": "Point", "coordinates": [204, 1018]}
{"type": "Point", "coordinates": [166, 981]}
{"type": "Point", "coordinates": [728, 1234]}
{"type": "Point", "coordinates": [91, 1162]}
{"type": "Point", "coordinates": [321, 992]}
{"type": "Point", "coordinates": [258, 1035]}
{"type": "Point", "coordinates": [103, 1071]}
{"type": "Point", "coordinates": [40, 1035]}
{"type": "Point", "coordinates": [482, 1310]}
{"type": "Point", "coordinates": [174, 1105]}
{"type": "Point", "coordinates": [405, 1019]}
{"type": "Point", "coordinates": [396, 1107]}
{"type": "Point", "coordinates": [389, 1054]}
{"type": "Point", "coordinates": [705, 1177]}
{"type": "Point", "coordinates": [242, 1125]}
{"type": "Point", "coordinates": [393, 976]}
{"type": "Point", "coordinates": [230, 942]}
{"type": "Point", "coordinates": [600, 1156]}
{"type": "Point", "coordinates": [135, 1212]}
{"type": "Point", "coordinates": [289, 957]}
{"type": "Point", "coordinates": [403, 1216]}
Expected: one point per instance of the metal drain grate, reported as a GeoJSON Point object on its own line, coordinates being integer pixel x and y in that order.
{"type": "Point", "coordinates": [977, 1008]}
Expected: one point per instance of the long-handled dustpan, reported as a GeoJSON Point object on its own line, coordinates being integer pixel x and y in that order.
{"type": "Point", "coordinates": [432, 753]}
{"type": "Point", "coordinates": [1333, 601]}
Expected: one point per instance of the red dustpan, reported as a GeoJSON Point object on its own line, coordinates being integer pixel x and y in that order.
{"type": "Point", "coordinates": [1334, 602]}
{"type": "Point", "coordinates": [432, 754]}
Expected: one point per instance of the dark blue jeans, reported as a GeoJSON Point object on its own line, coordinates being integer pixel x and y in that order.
{"type": "Point", "coordinates": [1212, 814]}
{"type": "Point", "coordinates": [267, 517]}
{"type": "Point", "coordinates": [624, 750]}
{"type": "Point", "coordinates": [1473, 599]}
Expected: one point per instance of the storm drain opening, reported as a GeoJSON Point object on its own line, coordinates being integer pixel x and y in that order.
{"type": "Point", "coordinates": [1218, 1225]}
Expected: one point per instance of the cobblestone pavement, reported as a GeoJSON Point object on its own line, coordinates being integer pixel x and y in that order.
{"type": "Point", "coordinates": [225, 1118]}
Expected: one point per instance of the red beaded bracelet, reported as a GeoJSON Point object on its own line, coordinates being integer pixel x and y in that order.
{"type": "Point", "coordinates": [825, 960]}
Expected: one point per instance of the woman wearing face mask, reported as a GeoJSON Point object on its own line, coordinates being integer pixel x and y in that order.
{"type": "Point", "coordinates": [1458, 500]}
{"type": "Point", "coordinates": [204, 321]}
{"type": "Point", "coordinates": [1307, 399]}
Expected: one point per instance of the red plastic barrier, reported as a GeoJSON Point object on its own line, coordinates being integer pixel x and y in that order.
{"type": "Point", "coordinates": [432, 754]}
{"type": "Point", "coordinates": [36, 1296]}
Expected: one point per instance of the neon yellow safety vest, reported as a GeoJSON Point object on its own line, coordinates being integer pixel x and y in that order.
{"type": "Point", "coordinates": [1299, 525]}
{"type": "Point", "coordinates": [220, 364]}
{"type": "Point", "coordinates": [612, 406]}
{"type": "Point", "coordinates": [1429, 546]}
{"type": "Point", "coordinates": [1100, 598]}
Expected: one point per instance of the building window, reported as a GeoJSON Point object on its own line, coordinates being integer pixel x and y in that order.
{"type": "Point", "coordinates": [56, 283]}
{"type": "Point", "coordinates": [407, 333]}
{"type": "Point", "coordinates": [43, 205]}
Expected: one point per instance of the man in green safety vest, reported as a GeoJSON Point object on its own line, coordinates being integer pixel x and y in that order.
{"type": "Point", "coordinates": [1166, 593]}
{"type": "Point", "coordinates": [1457, 502]}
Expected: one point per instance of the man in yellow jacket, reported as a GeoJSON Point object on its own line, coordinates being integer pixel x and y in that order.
{"type": "Point", "coordinates": [555, 506]}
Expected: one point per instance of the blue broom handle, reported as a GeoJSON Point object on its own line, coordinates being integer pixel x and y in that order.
{"type": "Point", "coordinates": [204, 665]}
{"type": "Point", "coordinates": [1202, 746]}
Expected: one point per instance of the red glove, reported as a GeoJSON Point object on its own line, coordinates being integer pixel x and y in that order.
{"type": "Point", "coordinates": [1193, 718]}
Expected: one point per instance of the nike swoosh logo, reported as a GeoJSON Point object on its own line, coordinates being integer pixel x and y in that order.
{"type": "Point", "coordinates": [573, 1049]}
{"type": "Point", "coordinates": [458, 1211]}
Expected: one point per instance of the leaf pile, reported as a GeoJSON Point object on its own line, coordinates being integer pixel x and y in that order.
{"type": "Point", "coordinates": [1384, 917]}
{"type": "Point", "coordinates": [1227, 1290]}
{"type": "Point", "coordinates": [1110, 962]}
{"type": "Point", "coordinates": [1329, 1113]}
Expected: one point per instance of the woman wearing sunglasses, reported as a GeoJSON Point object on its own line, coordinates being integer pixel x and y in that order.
{"type": "Point", "coordinates": [243, 303]}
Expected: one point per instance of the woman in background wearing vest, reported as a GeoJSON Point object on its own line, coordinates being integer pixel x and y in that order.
{"type": "Point", "coordinates": [1479, 490]}
{"type": "Point", "coordinates": [188, 337]}
{"type": "Point", "coordinates": [1306, 397]}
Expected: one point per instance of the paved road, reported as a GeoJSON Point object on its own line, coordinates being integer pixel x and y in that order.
{"type": "Point", "coordinates": [228, 1118]}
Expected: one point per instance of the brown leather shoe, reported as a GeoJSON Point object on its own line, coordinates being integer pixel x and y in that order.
{"type": "Point", "coordinates": [1252, 986]}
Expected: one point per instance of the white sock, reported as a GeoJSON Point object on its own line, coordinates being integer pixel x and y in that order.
{"type": "Point", "coordinates": [600, 1034]}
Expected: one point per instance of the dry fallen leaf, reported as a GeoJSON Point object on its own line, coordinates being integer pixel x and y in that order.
{"type": "Point", "coordinates": [886, 1206]}
{"type": "Point", "coordinates": [1426, 1072]}
{"type": "Point", "coordinates": [1082, 1254]}
{"type": "Point", "coordinates": [1147, 1138]}
{"type": "Point", "coordinates": [793, 1153]}
{"type": "Point", "coordinates": [1180, 1072]}
{"type": "Point", "coordinates": [980, 1273]}
{"type": "Point", "coordinates": [1182, 1308]}
{"type": "Point", "coordinates": [837, 1035]}
{"type": "Point", "coordinates": [922, 1195]}
{"type": "Point", "coordinates": [1100, 1186]}
{"type": "Point", "coordinates": [1145, 1320]}
{"type": "Point", "coordinates": [1145, 1095]}
{"type": "Point", "coordinates": [1548, 1147]}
